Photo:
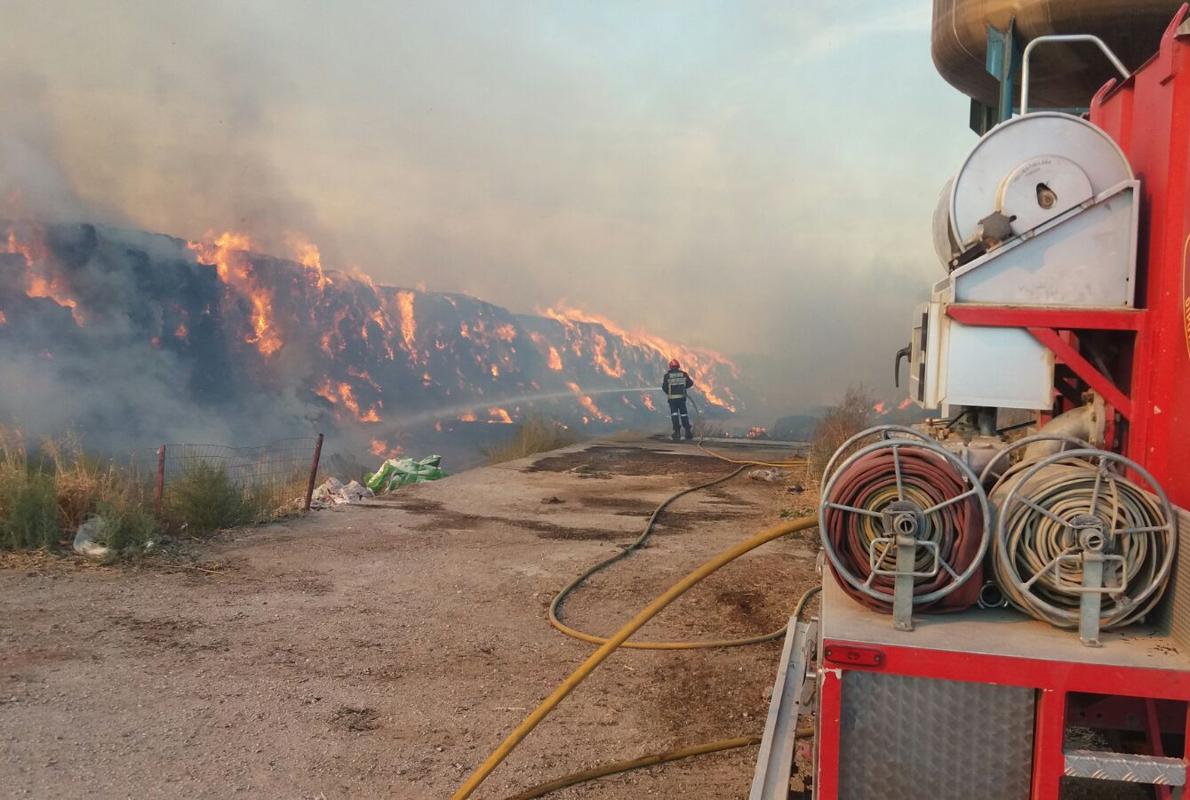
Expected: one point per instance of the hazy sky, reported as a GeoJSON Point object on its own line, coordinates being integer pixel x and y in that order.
{"type": "Point", "coordinates": [756, 177]}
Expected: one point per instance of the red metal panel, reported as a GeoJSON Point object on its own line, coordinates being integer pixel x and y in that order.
{"type": "Point", "coordinates": [1054, 681]}
{"type": "Point", "coordinates": [1071, 319]}
{"type": "Point", "coordinates": [830, 713]}
{"type": "Point", "coordinates": [1149, 117]}
{"type": "Point", "coordinates": [1084, 369]}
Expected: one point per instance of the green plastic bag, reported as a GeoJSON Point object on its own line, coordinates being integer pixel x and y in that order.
{"type": "Point", "coordinates": [397, 472]}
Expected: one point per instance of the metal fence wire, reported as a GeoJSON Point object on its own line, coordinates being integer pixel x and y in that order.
{"type": "Point", "coordinates": [276, 475]}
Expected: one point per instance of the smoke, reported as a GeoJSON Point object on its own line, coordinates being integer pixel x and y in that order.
{"type": "Point", "coordinates": [758, 181]}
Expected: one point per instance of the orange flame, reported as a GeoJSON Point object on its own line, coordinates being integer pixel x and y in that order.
{"type": "Point", "coordinates": [181, 332]}
{"type": "Point", "coordinates": [37, 284]}
{"type": "Point", "coordinates": [648, 401]}
{"type": "Point", "coordinates": [904, 404]}
{"type": "Point", "coordinates": [587, 403]}
{"type": "Point", "coordinates": [499, 416]}
{"type": "Point", "coordinates": [880, 408]}
{"type": "Point", "coordinates": [227, 253]}
{"type": "Point", "coordinates": [3, 318]}
{"type": "Point", "coordinates": [306, 253]}
{"type": "Point", "coordinates": [701, 362]}
{"type": "Point", "coordinates": [467, 417]}
{"type": "Point", "coordinates": [408, 322]}
{"type": "Point", "coordinates": [553, 360]}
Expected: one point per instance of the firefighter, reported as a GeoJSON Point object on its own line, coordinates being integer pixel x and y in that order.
{"type": "Point", "coordinates": [675, 384]}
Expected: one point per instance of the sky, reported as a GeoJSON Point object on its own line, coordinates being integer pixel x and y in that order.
{"type": "Point", "coordinates": [757, 177]}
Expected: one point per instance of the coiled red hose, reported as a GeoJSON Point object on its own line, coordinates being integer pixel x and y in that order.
{"type": "Point", "coordinates": [870, 483]}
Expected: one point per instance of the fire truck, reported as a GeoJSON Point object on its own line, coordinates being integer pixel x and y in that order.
{"type": "Point", "coordinates": [1005, 603]}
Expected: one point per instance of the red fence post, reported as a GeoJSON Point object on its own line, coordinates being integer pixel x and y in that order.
{"type": "Point", "coordinates": [159, 493]}
{"type": "Point", "coordinates": [313, 471]}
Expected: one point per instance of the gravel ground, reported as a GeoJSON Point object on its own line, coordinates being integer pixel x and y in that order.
{"type": "Point", "coordinates": [383, 651]}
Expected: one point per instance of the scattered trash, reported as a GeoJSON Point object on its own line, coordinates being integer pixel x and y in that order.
{"type": "Point", "coordinates": [397, 472]}
{"type": "Point", "coordinates": [86, 540]}
{"type": "Point", "coordinates": [334, 493]}
{"type": "Point", "coordinates": [795, 488]}
{"type": "Point", "coordinates": [552, 501]}
{"type": "Point", "coordinates": [767, 475]}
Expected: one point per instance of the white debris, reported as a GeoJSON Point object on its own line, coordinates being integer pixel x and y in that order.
{"type": "Point", "coordinates": [334, 493]}
{"type": "Point", "coordinates": [768, 475]}
{"type": "Point", "coordinates": [85, 540]}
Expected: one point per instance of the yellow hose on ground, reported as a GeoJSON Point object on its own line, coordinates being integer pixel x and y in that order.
{"type": "Point", "coordinates": [614, 642]}
{"type": "Point", "coordinates": [617, 767]}
{"type": "Point", "coordinates": [555, 612]}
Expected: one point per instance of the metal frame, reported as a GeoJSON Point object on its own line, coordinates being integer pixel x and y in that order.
{"type": "Point", "coordinates": [1054, 681]}
{"type": "Point", "coordinates": [774, 761]}
{"type": "Point", "coordinates": [1056, 38]}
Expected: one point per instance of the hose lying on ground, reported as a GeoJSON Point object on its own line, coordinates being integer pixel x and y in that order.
{"type": "Point", "coordinates": [555, 613]}
{"type": "Point", "coordinates": [617, 767]}
{"type": "Point", "coordinates": [616, 641]}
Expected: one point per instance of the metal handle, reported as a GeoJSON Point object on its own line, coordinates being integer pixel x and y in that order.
{"type": "Point", "coordinates": [1073, 37]}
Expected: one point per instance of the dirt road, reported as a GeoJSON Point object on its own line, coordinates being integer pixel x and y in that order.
{"type": "Point", "coordinates": [383, 651]}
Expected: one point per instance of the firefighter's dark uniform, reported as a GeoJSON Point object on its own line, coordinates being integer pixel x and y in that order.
{"type": "Point", "coordinates": [674, 384]}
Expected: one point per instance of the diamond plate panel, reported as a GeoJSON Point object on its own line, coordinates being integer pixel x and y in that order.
{"type": "Point", "coordinates": [1174, 612]}
{"type": "Point", "coordinates": [909, 738]}
{"type": "Point", "coordinates": [1125, 767]}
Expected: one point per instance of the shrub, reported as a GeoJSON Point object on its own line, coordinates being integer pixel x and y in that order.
{"type": "Point", "coordinates": [535, 434]}
{"type": "Point", "coordinates": [206, 499]}
{"type": "Point", "coordinates": [852, 414]}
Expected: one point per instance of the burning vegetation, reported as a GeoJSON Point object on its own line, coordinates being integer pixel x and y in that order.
{"type": "Point", "coordinates": [134, 338]}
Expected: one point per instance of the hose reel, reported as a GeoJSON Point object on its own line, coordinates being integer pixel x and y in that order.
{"type": "Point", "coordinates": [904, 523]}
{"type": "Point", "coordinates": [1078, 544]}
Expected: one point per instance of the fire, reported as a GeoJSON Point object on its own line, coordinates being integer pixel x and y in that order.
{"type": "Point", "coordinates": [467, 417]}
{"type": "Point", "coordinates": [344, 393]}
{"type": "Point", "coordinates": [505, 333]}
{"type": "Point", "coordinates": [553, 360]}
{"type": "Point", "coordinates": [495, 371]}
{"type": "Point", "coordinates": [306, 253]}
{"type": "Point", "coordinates": [612, 368]}
{"type": "Point", "coordinates": [904, 404]}
{"type": "Point", "coordinates": [648, 401]}
{"type": "Point", "coordinates": [499, 416]}
{"type": "Point", "coordinates": [587, 403]}
{"type": "Point", "coordinates": [880, 408]}
{"type": "Point", "coordinates": [227, 253]}
{"type": "Point", "coordinates": [181, 332]}
{"type": "Point", "coordinates": [37, 284]}
{"type": "Point", "coordinates": [383, 449]}
{"type": "Point", "coordinates": [700, 362]}
{"type": "Point", "coordinates": [3, 318]}
{"type": "Point", "coordinates": [408, 322]}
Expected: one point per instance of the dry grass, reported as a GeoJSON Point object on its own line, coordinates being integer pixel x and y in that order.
{"type": "Point", "coordinates": [44, 499]}
{"type": "Point", "coordinates": [535, 434]}
{"type": "Point", "coordinates": [852, 414]}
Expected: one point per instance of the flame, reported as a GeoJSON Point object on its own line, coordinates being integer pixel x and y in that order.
{"type": "Point", "coordinates": [495, 371]}
{"type": "Point", "coordinates": [614, 369]}
{"type": "Point", "coordinates": [37, 284]}
{"type": "Point", "coordinates": [306, 253]}
{"type": "Point", "coordinates": [383, 449]}
{"type": "Point", "coordinates": [553, 360]}
{"type": "Point", "coordinates": [506, 333]}
{"type": "Point", "coordinates": [408, 322]}
{"type": "Point", "coordinates": [499, 416]}
{"type": "Point", "coordinates": [467, 417]}
{"type": "Point", "coordinates": [701, 362]}
{"type": "Point", "coordinates": [587, 403]}
{"type": "Point", "coordinates": [648, 401]}
{"type": "Point", "coordinates": [227, 253]}
{"type": "Point", "coordinates": [904, 404]}
{"type": "Point", "coordinates": [344, 393]}
{"type": "Point", "coordinates": [181, 332]}
{"type": "Point", "coordinates": [3, 318]}
{"type": "Point", "coordinates": [880, 408]}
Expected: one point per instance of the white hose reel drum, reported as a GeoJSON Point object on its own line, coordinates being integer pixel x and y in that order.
{"type": "Point", "coordinates": [1027, 170]}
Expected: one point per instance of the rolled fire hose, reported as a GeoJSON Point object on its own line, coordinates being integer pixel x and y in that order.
{"type": "Point", "coordinates": [939, 491]}
{"type": "Point", "coordinates": [1047, 508]}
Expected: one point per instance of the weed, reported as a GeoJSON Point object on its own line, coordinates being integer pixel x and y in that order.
{"type": "Point", "coordinates": [206, 499]}
{"type": "Point", "coordinates": [535, 434]}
